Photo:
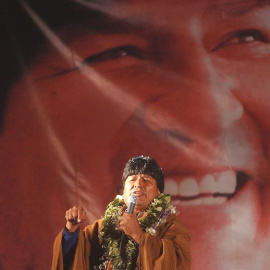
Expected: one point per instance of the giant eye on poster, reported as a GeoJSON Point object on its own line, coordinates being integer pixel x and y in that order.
{"type": "Point", "coordinates": [89, 85]}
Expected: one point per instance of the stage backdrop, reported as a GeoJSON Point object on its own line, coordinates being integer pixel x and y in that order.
{"type": "Point", "coordinates": [88, 84]}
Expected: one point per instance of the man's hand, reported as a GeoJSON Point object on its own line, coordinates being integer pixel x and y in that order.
{"type": "Point", "coordinates": [74, 217]}
{"type": "Point", "coordinates": [131, 227]}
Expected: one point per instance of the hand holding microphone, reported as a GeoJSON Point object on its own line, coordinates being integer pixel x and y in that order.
{"type": "Point", "coordinates": [129, 223]}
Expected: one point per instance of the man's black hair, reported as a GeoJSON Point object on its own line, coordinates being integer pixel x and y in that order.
{"type": "Point", "coordinates": [144, 165]}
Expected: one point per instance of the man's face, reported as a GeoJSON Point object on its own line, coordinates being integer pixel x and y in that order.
{"type": "Point", "coordinates": [186, 82]}
{"type": "Point", "coordinates": [144, 187]}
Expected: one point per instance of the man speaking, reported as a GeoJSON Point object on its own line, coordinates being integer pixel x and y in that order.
{"type": "Point", "coordinates": [139, 230]}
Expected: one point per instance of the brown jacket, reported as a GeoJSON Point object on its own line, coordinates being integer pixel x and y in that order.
{"type": "Point", "coordinates": [169, 249]}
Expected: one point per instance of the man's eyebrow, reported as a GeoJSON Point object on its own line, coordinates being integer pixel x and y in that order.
{"type": "Point", "coordinates": [239, 8]}
{"type": "Point", "coordinates": [106, 24]}
{"type": "Point", "coordinates": [97, 20]}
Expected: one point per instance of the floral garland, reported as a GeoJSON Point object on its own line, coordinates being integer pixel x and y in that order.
{"type": "Point", "coordinates": [110, 235]}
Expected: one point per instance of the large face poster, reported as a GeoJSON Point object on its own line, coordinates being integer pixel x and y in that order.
{"type": "Point", "coordinates": [91, 83]}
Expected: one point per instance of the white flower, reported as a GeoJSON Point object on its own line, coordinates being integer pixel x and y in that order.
{"type": "Point", "coordinates": [152, 231]}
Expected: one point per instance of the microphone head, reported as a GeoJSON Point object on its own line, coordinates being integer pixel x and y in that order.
{"type": "Point", "coordinates": [132, 199]}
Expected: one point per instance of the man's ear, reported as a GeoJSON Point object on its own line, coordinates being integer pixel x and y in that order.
{"type": "Point", "coordinates": [119, 190]}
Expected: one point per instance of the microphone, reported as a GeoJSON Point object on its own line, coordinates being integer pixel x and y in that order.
{"type": "Point", "coordinates": [132, 200]}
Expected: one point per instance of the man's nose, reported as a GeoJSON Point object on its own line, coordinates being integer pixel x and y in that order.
{"type": "Point", "coordinates": [206, 81]}
{"type": "Point", "coordinates": [200, 100]}
{"type": "Point", "coordinates": [199, 107]}
{"type": "Point", "coordinates": [138, 182]}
